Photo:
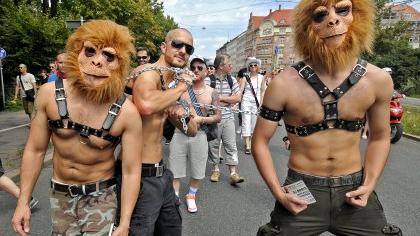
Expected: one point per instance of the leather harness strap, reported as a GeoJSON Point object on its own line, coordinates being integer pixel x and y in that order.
{"type": "Point", "coordinates": [84, 130]}
{"type": "Point", "coordinates": [331, 119]}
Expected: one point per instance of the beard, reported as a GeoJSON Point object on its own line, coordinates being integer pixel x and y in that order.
{"type": "Point", "coordinates": [106, 92]}
{"type": "Point", "coordinates": [332, 58]}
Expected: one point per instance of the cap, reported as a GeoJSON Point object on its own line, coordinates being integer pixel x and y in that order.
{"type": "Point", "coordinates": [202, 60]}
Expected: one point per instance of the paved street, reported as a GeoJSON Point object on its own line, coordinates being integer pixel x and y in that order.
{"type": "Point", "coordinates": [225, 210]}
{"type": "Point", "coordinates": [411, 101]}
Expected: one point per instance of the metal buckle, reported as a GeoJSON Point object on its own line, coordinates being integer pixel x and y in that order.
{"type": "Point", "coordinates": [334, 181]}
{"type": "Point", "coordinates": [159, 171]}
{"type": "Point", "coordinates": [70, 192]}
{"type": "Point", "coordinates": [117, 107]}
{"type": "Point", "coordinates": [357, 68]}
{"type": "Point", "coordinates": [300, 71]}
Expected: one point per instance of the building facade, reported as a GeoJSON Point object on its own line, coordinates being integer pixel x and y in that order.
{"type": "Point", "coordinates": [268, 38]}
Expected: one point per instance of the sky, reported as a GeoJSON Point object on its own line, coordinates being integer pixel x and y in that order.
{"type": "Point", "coordinates": [214, 22]}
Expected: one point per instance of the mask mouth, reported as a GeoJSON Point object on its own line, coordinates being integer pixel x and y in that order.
{"type": "Point", "coordinates": [335, 35]}
{"type": "Point", "coordinates": [96, 76]}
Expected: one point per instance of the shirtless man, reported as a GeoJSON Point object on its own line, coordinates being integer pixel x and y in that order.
{"type": "Point", "coordinates": [157, 210]}
{"type": "Point", "coordinates": [323, 101]}
{"type": "Point", "coordinates": [87, 116]}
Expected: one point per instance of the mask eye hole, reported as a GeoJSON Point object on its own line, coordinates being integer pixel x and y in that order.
{"type": "Point", "coordinates": [319, 16]}
{"type": "Point", "coordinates": [90, 52]}
{"type": "Point", "coordinates": [110, 57]}
{"type": "Point", "coordinates": [342, 11]}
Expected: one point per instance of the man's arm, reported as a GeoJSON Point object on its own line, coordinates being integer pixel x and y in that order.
{"type": "Point", "coordinates": [17, 87]}
{"type": "Point", "coordinates": [217, 116]}
{"type": "Point", "coordinates": [174, 115]}
{"type": "Point", "coordinates": [236, 95]}
{"type": "Point", "coordinates": [131, 163]}
{"type": "Point", "coordinates": [149, 98]}
{"type": "Point", "coordinates": [377, 149]}
{"type": "Point", "coordinates": [263, 132]}
{"type": "Point", "coordinates": [33, 156]}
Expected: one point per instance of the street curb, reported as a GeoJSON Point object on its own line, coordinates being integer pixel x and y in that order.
{"type": "Point", "coordinates": [15, 174]}
{"type": "Point", "coordinates": [412, 137]}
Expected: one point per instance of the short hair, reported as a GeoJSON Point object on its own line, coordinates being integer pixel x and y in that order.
{"type": "Point", "coordinates": [220, 60]}
{"type": "Point", "coordinates": [143, 49]}
{"type": "Point", "coordinates": [169, 36]}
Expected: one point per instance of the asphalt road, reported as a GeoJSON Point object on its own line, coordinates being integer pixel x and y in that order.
{"type": "Point", "coordinates": [411, 101]}
{"type": "Point", "coordinates": [233, 211]}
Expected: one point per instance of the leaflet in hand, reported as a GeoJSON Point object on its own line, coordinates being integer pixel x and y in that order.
{"type": "Point", "coordinates": [299, 188]}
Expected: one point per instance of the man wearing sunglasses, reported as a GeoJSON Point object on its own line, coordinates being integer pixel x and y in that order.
{"type": "Point", "coordinates": [25, 82]}
{"type": "Point", "coordinates": [154, 94]}
{"type": "Point", "coordinates": [142, 55]}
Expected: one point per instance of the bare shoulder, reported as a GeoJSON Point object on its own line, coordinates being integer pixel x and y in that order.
{"type": "Point", "coordinates": [281, 89]}
{"type": "Point", "coordinates": [45, 93]}
{"type": "Point", "coordinates": [380, 79]}
{"type": "Point", "coordinates": [129, 114]}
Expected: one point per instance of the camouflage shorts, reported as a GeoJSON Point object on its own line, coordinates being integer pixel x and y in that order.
{"type": "Point", "coordinates": [84, 214]}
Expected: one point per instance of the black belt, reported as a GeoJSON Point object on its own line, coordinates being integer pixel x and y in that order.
{"type": "Point", "coordinates": [336, 181]}
{"type": "Point", "coordinates": [84, 189]}
{"type": "Point", "coordinates": [152, 170]}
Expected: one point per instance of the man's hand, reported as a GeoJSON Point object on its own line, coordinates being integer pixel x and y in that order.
{"type": "Point", "coordinates": [293, 203]}
{"type": "Point", "coordinates": [359, 197]}
{"type": "Point", "coordinates": [176, 112]}
{"type": "Point", "coordinates": [22, 219]}
{"type": "Point", "coordinates": [120, 231]}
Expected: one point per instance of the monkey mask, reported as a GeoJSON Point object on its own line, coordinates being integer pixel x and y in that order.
{"type": "Point", "coordinates": [97, 60]}
{"type": "Point", "coordinates": [333, 33]}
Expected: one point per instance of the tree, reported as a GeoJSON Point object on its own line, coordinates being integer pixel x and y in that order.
{"type": "Point", "coordinates": [392, 49]}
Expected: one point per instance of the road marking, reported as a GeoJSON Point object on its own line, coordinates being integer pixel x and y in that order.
{"type": "Point", "coordinates": [12, 128]}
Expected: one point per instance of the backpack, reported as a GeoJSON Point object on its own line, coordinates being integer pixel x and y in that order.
{"type": "Point", "coordinates": [213, 81]}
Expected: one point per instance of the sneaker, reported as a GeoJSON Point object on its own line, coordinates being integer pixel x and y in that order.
{"type": "Point", "coordinates": [33, 203]}
{"type": "Point", "coordinates": [215, 176]}
{"type": "Point", "coordinates": [236, 179]}
{"type": "Point", "coordinates": [247, 151]}
{"type": "Point", "coordinates": [191, 205]}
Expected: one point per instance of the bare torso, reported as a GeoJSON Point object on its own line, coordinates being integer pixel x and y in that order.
{"type": "Point", "coordinates": [331, 152]}
{"type": "Point", "coordinates": [77, 159]}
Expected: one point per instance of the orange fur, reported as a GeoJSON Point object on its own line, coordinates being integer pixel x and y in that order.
{"type": "Point", "coordinates": [102, 33]}
{"type": "Point", "coordinates": [359, 37]}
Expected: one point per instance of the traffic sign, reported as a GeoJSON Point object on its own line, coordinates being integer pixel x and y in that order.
{"type": "Point", "coordinates": [2, 53]}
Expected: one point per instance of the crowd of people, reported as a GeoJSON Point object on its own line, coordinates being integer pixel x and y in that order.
{"type": "Point", "coordinates": [110, 176]}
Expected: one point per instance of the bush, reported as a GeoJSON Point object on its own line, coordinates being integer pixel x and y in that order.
{"type": "Point", "coordinates": [14, 105]}
{"type": "Point", "coordinates": [411, 120]}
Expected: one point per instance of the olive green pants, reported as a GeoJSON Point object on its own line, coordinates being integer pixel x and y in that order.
{"type": "Point", "coordinates": [330, 213]}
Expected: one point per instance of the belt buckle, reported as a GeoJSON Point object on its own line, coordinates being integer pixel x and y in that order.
{"type": "Point", "coordinates": [159, 171]}
{"type": "Point", "coordinates": [70, 192]}
{"type": "Point", "coordinates": [334, 182]}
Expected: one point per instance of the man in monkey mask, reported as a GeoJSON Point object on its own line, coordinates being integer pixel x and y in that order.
{"type": "Point", "coordinates": [87, 116]}
{"type": "Point", "coordinates": [323, 101]}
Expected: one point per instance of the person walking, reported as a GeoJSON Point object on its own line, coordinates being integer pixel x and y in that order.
{"type": "Point", "coordinates": [194, 150]}
{"type": "Point", "coordinates": [229, 94]}
{"type": "Point", "coordinates": [26, 87]}
{"type": "Point", "coordinates": [254, 87]}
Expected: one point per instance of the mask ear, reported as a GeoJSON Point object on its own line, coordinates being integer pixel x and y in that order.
{"type": "Point", "coordinates": [163, 47]}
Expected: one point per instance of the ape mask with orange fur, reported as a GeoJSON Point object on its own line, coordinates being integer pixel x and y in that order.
{"type": "Point", "coordinates": [333, 33]}
{"type": "Point", "coordinates": [97, 60]}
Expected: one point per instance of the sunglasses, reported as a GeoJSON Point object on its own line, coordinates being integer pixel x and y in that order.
{"type": "Point", "coordinates": [253, 65]}
{"type": "Point", "coordinates": [178, 44]}
{"type": "Point", "coordinates": [200, 68]}
{"type": "Point", "coordinates": [142, 58]}
{"type": "Point", "coordinates": [211, 68]}
{"type": "Point", "coordinates": [20, 67]}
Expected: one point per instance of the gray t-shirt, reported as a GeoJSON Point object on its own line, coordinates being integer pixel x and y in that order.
{"type": "Point", "coordinates": [223, 88]}
{"type": "Point", "coordinates": [27, 80]}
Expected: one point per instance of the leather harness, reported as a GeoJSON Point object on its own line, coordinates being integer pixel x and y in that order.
{"type": "Point", "coordinates": [84, 130]}
{"type": "Point", "coordinates": [331, 120]}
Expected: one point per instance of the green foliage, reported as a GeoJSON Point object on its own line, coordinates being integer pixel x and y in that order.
{"type": "Point", "coordinates": [32, 33]}
{"type": "Point", "coordinates": [392, 49]}
{"type": "Point", "coordinates": [411, 120]}
{"type": "Point", "coordinates": [14, 105]}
